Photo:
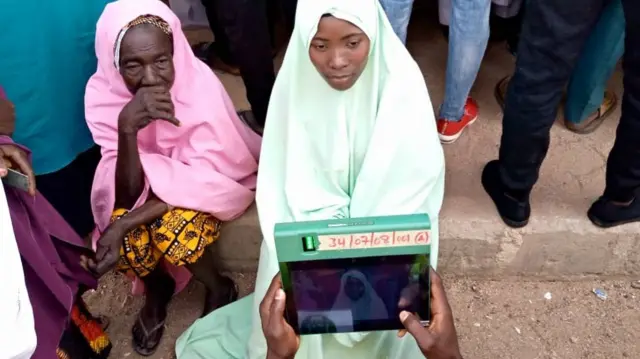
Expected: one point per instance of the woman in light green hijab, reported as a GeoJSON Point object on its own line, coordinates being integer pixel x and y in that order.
{"type": "Point", "coordinates": [350, 133]}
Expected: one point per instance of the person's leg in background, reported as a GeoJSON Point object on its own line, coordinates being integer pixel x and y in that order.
{"type": "Point", "coordinates": [620, 203]}
{"type": "Point", "coordinates": [245, 24]}
{"type": "Point", "coordinates": [588, 101]}
{"type": "Point", "coordinates": [216, 53]}
{"type": "Point", "coordinates": [553, 35]}
{"type": "Point", "coordinates": [289, 12]}
{"type": "Point", "coordinates": [468, 37]}
{"type": "Point", "coordinates": [399, 13]}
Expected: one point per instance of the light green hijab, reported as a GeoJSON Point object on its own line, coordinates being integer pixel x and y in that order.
{"type": "Point", "coordinates": [370, 150]}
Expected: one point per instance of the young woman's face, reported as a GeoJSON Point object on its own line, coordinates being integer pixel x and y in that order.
{"type": "Point", "coordinates": [339, 51]}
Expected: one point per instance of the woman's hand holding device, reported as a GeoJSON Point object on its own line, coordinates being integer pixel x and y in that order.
{"type": "Point", "coordinates": [438, 341]}
{"type": "Point", "coordinates": [282, 341]}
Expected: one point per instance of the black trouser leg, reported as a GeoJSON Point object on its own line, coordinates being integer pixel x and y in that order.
{"type": "Point", "coordinates": [246, 27]}
{"type": "Point", "coordinates": [221, 39]}
{"type": "Point", "coordinates": [553, 34]}
{"type": "Point", "coordinates": [289, 10]}
{"type": "Point", "coordinates": [623, 165]}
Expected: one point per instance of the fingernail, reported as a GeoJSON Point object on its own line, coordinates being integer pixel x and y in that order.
{"type": "Point", "coordinates": [280, 294]}
{"type": "Point", "coordinates": [404, 315]}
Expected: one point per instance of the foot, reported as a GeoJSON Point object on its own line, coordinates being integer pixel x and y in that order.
{"type": "Point", "coordinates": [593, 121]}
{"type": "Point", "coordinates": [514, 212]}
{"type": "Point", "coordinates": [449, 131]}
{"type": "Point", "coordinates": [225, 293]}
{"type": "Point", "coordinates": [149, 326]}
{"type": "Point", "coordinates": [606, 213]}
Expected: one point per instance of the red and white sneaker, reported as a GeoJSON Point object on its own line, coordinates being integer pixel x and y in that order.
{"type": "Point", "coordinates": [449, 131]}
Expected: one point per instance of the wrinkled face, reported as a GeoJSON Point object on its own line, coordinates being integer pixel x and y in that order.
{"type": "Point", "coordinates": [339, 51]}
{"type": "Point", "coordinates": [146, 58]}
{"type": "Point", "coordinates": [354, 288]}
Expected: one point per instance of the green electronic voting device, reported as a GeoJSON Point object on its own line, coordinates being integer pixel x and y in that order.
{"type": "Point", "coordinates": [354, 274]}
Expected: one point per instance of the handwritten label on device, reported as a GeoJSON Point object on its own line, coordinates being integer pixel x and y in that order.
{"type": "Point", "coordinates": [373, 240]}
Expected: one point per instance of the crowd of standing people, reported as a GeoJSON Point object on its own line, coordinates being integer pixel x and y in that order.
{"type": "Point", "coordinates": [136, 156]}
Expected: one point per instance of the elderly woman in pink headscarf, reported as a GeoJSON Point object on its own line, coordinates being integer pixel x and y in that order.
{"type": "Point", "coordinates": [176, 161]}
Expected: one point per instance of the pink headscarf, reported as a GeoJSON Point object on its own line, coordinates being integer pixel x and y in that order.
{"type": "Point", "coordinates": [207, 164]}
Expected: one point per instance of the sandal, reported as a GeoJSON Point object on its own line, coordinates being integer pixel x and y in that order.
{"type": "Point", "coordinates": [593, 121]}
{"type": "Point", "coordinates": [139, 347]}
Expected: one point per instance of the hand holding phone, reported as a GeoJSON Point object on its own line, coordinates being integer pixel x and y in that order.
{"type": "Point", "coordinates": [15, 169]}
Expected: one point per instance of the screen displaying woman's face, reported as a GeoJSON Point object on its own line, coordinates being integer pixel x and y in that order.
{"type": "Point", "coordinates": [339, 51]}
{"type": "Point", "coordinates": [354, 288]}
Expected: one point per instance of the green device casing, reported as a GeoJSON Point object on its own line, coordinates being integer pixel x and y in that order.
{"type": "Point", "coordinates": [344, 241]}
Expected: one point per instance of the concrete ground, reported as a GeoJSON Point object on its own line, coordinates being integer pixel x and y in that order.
{"type": "Point", "coordinates": [497, 277]}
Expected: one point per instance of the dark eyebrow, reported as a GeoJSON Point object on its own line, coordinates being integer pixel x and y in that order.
{"type": "Point", "coordinates": [351, 35]}
{"type": "Point", "coordinates": [343, 38]}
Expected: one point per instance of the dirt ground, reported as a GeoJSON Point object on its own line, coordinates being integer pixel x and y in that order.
{"type": "Point", "coordinates": [495, 319]}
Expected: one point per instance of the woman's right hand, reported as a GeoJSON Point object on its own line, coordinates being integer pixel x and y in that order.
{"type": "Point", "coordinates": [12, 156]}
{"type": "Point", "coordinates": [148, 104]}
{"type": "Point", "coordinates": [439, 340]}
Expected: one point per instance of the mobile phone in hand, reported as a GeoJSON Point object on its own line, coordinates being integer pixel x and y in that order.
{"type": "Point", "coordinates": [17, 180]}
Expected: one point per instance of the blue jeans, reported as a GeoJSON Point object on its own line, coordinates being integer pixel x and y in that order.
{"type": "Point", "coordinates": [468, 37]}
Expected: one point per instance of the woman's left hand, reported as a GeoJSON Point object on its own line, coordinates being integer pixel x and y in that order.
{"type": "Point", "coordinates": [12, 156]}
{"type": "Point", "coordinates": [282, 341]}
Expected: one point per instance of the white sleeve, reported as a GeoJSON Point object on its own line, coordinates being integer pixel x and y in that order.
{"type": "Point", "coordinates": [17, 331]}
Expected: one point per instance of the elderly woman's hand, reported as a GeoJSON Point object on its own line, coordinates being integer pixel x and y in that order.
{"type": "Point", "coordinates": [282, 341]}
{"type": "Point", "coordinates": [7, 117]}
{"type": "Point", "coordinates": [13, 157]}
{"type": "Point", "coordinates": [107, 251]}
{"type": "Point", "coordinates": [149, 104]}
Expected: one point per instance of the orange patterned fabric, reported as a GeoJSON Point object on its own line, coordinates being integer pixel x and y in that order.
{"type": "Point", "coordinates": [180, 237]}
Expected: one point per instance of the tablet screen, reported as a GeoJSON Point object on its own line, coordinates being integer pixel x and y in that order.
{"type": "Point", "coordinates": [357, 294]}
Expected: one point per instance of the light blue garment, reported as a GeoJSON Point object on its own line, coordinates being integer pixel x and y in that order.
{"type": "Point", "coordinates": [399, 13]}
{"type": "Point", "coordinates": [468, 37]}
{"type": "Point", "coordinates": [370, 150]}
{"type": "Point", "coordinates": [47, 57]}
{"type": "Point", "coordinates": [597, 62]}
